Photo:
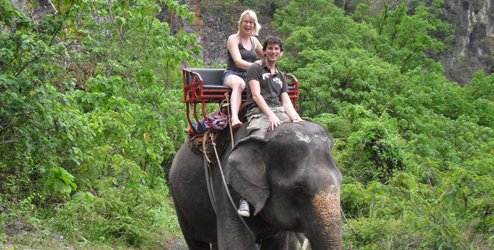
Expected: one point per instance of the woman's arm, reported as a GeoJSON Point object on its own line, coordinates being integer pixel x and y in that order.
{"type": "Point", "coordinates": [259, 51]}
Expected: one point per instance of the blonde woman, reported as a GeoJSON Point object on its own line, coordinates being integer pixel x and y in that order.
{"type": "Point", "coordinates": [243, 49]}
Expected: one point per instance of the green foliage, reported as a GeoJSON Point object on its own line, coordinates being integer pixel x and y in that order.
{"type": "Point", "coordinates": [89, 110]}
{"type": "Point", "coordinates": [132, 214]}
{"type": "Point", "coordinates": [60, 182]}
{"type": "Point", "coordinates": [405, 39]}
{"type": "Point", "coordinates": [374, 150]}
{"type": "Point", "coordinates": [415, 150]}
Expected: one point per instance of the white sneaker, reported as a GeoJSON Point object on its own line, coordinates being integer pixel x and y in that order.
{"type": "Point", "coordinates": [243, 208]}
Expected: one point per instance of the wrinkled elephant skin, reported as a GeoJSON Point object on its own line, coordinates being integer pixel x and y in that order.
{"type": "Point", "coordinates": [290, 176]}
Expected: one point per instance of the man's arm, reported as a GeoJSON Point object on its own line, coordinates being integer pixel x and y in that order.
{"type": "Point", "coordinates": [255, 89]}
{"type": "Point", "coordinates": [289, 109]}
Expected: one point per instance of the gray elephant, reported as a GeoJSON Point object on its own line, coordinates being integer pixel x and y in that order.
{"type": "Point", "coordinates": [289, 178]}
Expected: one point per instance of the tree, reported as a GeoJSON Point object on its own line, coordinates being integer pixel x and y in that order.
{"type": "Point", "coordinates": [89, 109]}
{"type": "Point", "coordinates": [407, 140]}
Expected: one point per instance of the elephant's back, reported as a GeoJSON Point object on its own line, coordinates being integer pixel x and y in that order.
{"type": "Point", "coordinates": [190, 196]}
{"type": "Point", "coordinates": [185, 164]}
{"type": "Point", "coordinates": [187, 175]}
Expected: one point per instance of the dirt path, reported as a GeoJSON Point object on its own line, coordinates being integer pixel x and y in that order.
{"type": "Point", "coordinates": [176, 244]}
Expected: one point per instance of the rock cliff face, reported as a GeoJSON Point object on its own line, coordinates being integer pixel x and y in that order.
{"type": "Point", "coordinates": [213, 31]}
{"type": "Point", "coordinates": [471, 51]}
{"type": "Point", "coordinates": [214, 26]}
{"type": "Point", "coordinates": [43, 8]}
{"type": "Point", "coordinates": [473, 48]}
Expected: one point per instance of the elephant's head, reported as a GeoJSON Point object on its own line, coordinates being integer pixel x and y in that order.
{"type": "Point", "coordinates": [291, 176]}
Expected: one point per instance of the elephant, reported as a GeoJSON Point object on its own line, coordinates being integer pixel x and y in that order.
{"type": "Point", "coordinates": [288, 177]}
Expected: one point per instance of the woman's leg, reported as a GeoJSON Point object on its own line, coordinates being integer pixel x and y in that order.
{"type": "Point", "coordinates": [237, 85]}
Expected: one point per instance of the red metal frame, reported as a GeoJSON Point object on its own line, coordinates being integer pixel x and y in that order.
{"type": "Point", "coordinates": [196, 92]}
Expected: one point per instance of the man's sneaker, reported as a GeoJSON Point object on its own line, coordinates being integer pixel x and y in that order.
{"type": "Point", "coordinates": [243, 208]}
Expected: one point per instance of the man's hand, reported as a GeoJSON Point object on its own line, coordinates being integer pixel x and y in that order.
{"type": "Point", "coordinates": [274, 122]}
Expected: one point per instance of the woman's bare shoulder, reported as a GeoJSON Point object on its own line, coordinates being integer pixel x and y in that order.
{"type": "Point", "coordinates": [233, 37]}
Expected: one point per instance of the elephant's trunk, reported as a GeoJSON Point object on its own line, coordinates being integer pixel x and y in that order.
{"type": "Point", "coordinates": [326, 232]}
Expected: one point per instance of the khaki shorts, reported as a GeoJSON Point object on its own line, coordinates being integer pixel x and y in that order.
{"type": "Point", "coordinates": [259, 122]}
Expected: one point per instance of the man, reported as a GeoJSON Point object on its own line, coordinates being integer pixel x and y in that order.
{"type": "Point", "coordinates": [268, 104]}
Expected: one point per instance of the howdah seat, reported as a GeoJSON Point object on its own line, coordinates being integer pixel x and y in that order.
{"type": "Point", "coordinates": [203, 86]}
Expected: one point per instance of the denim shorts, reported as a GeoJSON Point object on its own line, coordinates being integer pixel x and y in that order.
{"type": "Point", "coordinates": [228, 73]}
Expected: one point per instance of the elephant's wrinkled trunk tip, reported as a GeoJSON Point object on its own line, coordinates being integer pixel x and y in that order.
{"type": "Point", "coordinates": [327, 234]}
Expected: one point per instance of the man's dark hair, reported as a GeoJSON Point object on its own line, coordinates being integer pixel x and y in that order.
{"type": "Point", "coordinates": [272, 40]}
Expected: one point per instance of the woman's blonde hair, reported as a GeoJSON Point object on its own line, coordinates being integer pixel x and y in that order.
{"type": "Point", "coordinates": [252, 14]}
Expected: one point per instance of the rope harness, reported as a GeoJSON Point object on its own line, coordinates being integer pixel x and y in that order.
{"type": "Point", "coordinates": [214, 124]}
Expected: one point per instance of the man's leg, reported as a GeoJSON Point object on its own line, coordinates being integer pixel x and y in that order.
{"type": "Point", "coordinates": [258, 122]}
{"type": "Point", "coordinates": [280, 113]}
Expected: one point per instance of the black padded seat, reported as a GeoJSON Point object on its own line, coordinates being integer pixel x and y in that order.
{"type": "Point", "coordinates": [211, 78]}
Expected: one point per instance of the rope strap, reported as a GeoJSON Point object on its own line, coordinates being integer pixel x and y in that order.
{"type": "Point", "coordinates": [207, 169]}
{"type": "Point", "coordinates": [229, 195]}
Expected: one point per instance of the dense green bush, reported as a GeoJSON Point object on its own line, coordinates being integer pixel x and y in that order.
{"type": "Point", "coordinates": [89, 109]}
{"type": "Point", "coordinates": [416, 150]}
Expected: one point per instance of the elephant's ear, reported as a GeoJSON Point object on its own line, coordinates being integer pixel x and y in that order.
{"type": "Point", "coordinates": [248, 171]}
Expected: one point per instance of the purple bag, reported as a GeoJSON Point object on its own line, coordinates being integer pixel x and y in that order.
{"type": "Point", "coordinates": [216, 122]}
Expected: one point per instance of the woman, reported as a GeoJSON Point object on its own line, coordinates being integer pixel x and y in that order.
{"type": "Point", "coordinates": [243, 50]}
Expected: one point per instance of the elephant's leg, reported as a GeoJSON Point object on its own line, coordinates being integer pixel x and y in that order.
{"type": "Point", "coordinates": [304, 242]}
{"type": "Point", "coordinates": [280, 240]}
{"type": "Point", "coordinates": [192, 242]}
{"type": "Point", "coordinates": [293, 241]}
{"type": "Point", "coordinates": [232, 233]}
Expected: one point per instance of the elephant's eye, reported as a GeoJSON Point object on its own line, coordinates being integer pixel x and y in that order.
{"type": "Point", "coordinates": [297, 189]}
